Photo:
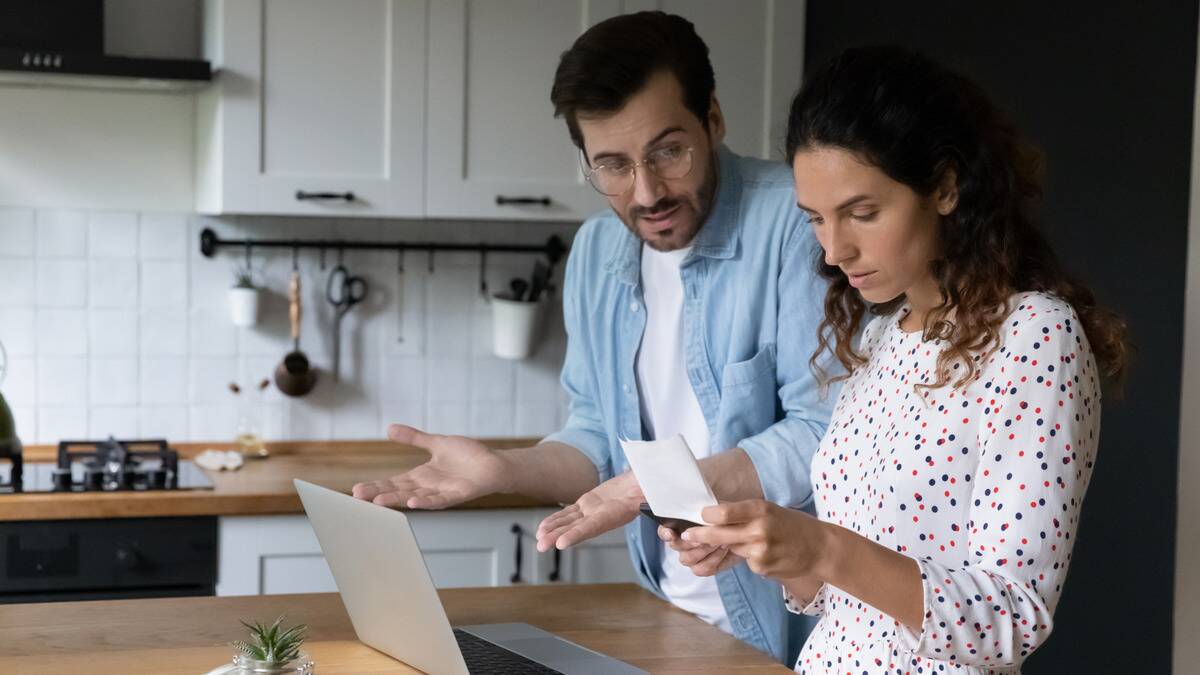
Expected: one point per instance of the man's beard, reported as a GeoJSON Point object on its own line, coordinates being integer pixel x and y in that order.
{"type": "Point", "coordinates": [698, 206]}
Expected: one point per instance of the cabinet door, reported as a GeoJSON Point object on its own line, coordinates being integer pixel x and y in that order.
{"type": "Point", "coordinates": [492, 131]}
{"type": "Point", "coordinates": [475, 547]}
{"type": "Point", "coordinates": [264, 555]}
{"type": "Point", "coordinates": [314, 98]}
{"type": "Point", "coordinates": [757, 51]}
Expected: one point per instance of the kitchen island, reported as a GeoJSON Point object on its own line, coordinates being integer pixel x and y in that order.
{"type": "Point", "coordinates": [191, 635]}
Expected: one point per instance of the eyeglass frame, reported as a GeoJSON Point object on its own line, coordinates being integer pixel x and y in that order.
{"type": "Point", "coordinates": [590, 170]}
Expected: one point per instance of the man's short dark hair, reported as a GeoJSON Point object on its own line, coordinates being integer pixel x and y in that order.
{"type": "Point", "coordinates": [614, 59]}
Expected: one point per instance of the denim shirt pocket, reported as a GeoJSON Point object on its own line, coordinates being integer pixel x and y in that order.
{"type": "Point", "coordinates": [749, 397]}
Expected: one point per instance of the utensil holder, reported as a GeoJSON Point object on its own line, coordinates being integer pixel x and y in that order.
{"type": "Point", "coordinates": [243, 306]}
{"type": "Point", "coordinates": [516, 327]}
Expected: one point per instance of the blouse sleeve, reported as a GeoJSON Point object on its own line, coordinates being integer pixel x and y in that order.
{"type": "Point", "coordinates": [1038, 436]}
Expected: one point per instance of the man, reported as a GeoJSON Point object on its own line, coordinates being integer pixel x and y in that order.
{"type": "Point", "coordinates": [691, 308]}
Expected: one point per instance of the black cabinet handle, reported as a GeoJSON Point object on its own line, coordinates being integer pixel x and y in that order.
{"type": "Point", "coordinates": [556, 573]}
{"type": "Point", "coordinates": [305, 196]}
{"type": "Point", "coordinates": [516, 575]}
{"type": "Point", "coordinates": [502, 200]}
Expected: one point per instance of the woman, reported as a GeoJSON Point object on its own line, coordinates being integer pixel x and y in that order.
{"type": "Point", "coordinates": [949, 483]}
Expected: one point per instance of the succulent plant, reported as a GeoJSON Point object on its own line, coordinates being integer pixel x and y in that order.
{"type": "Point", "coordinates": [271, 644]}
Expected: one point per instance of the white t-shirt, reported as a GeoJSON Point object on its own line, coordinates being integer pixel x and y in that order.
{"type": "Point", "coordinates": [669, 407]}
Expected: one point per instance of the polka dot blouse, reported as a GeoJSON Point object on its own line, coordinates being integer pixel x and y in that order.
{"type": "Point", "coordinates": [982, 487]}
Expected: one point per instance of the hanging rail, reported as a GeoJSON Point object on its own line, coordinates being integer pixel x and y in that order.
{"type": "Point", "coordinates": [554, 249]}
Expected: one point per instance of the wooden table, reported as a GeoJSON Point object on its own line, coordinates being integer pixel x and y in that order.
{"type": "Point", "coordinates": [191, 635]}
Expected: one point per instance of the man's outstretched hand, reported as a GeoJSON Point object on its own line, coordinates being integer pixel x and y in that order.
{"type": "Point", "coordinates": [459, 469]}
{"type": "Point", "coordinates": [609, 505]}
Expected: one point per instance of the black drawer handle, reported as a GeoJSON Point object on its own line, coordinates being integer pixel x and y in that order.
{"type": "Point", "coordinates": [305, 196]}
{"type": "Point", "coordinates": [502, 200]}
{"type": "Point", "coordinates": [516, 575]}
{"type": "Point", "coordinates": [556, 573]}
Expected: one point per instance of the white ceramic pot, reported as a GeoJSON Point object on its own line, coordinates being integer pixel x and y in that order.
{"type": "Point", "coordinates": [243, 306]}
{"type": "Point", "coordinates": [515, 327]}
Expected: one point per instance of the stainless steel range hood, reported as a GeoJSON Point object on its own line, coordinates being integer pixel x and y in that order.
{"type": "Point", "coordinates": [62, 43]}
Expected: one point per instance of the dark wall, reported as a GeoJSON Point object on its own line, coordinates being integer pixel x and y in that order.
{"type": "Point", "coordinates": [1105, 89]}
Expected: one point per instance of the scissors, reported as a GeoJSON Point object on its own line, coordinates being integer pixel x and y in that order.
{"type": "Point", "coordinates": [343, 291]}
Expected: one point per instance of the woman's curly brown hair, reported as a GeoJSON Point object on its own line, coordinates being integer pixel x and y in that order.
{"type": "Point", "coordinates": [916, 120]}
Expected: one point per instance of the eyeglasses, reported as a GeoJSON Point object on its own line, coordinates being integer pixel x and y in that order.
{"type": "Point", "coordinates": [616, 177]}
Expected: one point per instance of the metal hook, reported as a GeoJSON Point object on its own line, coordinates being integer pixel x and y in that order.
{"type": "Point", "coordinates": [400, 259]}
{"type": "Point", "coordinates": [295, 258]}
{"type": "Point", "coordinates": [249, 247]}
{"type": "Point", "coordinates": [341, 252]}
{"type": "Point", "coordinates": [431, 261]}
{"type": "Point", "coordinates": [322, 258]}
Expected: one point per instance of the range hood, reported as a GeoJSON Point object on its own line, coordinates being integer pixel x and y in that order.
{"type": "Point", "coordinates": [61, 43]}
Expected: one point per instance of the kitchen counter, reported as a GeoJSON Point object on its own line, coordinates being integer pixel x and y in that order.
{"type": "Point", "coordinates": [191, 635]}
{"type": "Point", "coordinates": [261, 486]}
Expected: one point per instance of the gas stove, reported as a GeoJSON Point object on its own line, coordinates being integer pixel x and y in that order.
{"type": "Point", "coordinates": [103, 466]}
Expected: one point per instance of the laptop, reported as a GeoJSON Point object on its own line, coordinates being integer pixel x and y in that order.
{"type": "Point", "coordinates": [394, 607]}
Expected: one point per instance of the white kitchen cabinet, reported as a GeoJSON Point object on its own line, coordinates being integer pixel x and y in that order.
{"type": "Point", "coordinates": [262, 555]}
{"type": "Point", "coordinates": [492, 134]}
{"type": "Point", "coordinates": [313, 101]}
{"type": "Point", "coordinates": [265, 555]}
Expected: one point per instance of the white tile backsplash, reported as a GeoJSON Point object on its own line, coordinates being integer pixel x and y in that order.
{"type": "Point", "coordinates": [57, 423]}
{"type": "Point", "coordinates": [164, 332]}
{"type": "Point", "coordinates": [164, 283]}
{"type": "Point", "coordinates": [105, 421]}
{"type": "Point", "coordinates": [17, 331]}
{"type": "Point", "coordinates": [113, 332]}
{"type": "Point", "coordinates": [62, 332]}
{"type": "Point", "coordinates": [114, 323]}
{"type": "Point", "coordinates": [163, 380]}
{"type": "Point", "coordinates": [62, 381]}
{"type": "Point", "coordinates": [113, 381]}
{"type": "Point", "coordinates": [16, 232]}
{"type": "Point", "coordinates": [62, 283]}
{"type": "Point", "coordinates": [114, 283]}
{"type": "Point", "coordinates": [112, 234]}
{"type": "Point", "coordinates": [61, 234]}
{"type": "Point", "coordinates": [170, 422]}
{"type": "Point", "coordinates": [17, 282]}
{"type": "Point", "coordinates": [163, 236]}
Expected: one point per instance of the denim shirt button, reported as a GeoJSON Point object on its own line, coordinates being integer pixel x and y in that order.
{"type": "Point", "coordinates": [633, 307]}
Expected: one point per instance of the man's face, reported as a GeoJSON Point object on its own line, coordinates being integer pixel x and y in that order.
{"type": "Point", "coordinates": [666, 213]}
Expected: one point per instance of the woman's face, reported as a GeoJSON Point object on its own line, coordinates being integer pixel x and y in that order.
{"type": "Point", "coordinates": [881, 233]}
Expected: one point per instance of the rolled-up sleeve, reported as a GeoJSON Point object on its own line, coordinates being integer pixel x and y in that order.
{"type": "Point", "coordinates": [782, 453]}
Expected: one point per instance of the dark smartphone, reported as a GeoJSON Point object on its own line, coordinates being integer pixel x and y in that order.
{"type": "Point", "coordinates": [677, 524]}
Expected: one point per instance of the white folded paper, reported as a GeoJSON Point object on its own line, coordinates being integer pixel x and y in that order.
{"type": "Point", "coordinates": [670, 477]}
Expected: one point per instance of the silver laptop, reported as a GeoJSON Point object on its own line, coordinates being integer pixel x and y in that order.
{"type": "Point", "coordinates": [394, 607]}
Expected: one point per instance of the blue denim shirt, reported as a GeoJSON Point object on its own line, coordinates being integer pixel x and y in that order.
{"type": "Point", "coordinates": [752, 304]}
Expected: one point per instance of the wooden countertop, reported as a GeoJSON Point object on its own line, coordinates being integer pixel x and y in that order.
{"type": "Point", "coordinates": [191, 635]}
{"type": "Point", "coordinates": [259, 487]}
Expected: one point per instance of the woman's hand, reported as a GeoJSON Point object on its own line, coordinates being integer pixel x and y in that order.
{"type": "Point", "coordinates": [702, 559]}
{"type": "Point", "coordinates": [775, 541]}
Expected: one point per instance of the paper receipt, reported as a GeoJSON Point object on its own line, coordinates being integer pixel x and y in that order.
{"type": "Point", "coordinates": [670, 477]}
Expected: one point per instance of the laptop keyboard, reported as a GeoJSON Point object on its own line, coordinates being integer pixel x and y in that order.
{"type": "Point", "coordinates": [486, 658]}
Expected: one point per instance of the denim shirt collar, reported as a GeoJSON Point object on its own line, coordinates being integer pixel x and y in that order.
{"type": "Point", "coordinates": [717, 238]}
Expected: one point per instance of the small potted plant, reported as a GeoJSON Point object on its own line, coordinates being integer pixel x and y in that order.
{"type": "Point", "coordinates": [272, 649]}
{"type": "Point", "coordinates": [243, 299]}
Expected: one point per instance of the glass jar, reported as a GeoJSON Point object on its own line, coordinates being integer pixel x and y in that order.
{"type": "Point", "coordinates": [244, 665]}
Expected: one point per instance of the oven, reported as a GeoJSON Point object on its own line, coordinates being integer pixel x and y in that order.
{"type": "Point", "coordinates": [102, 559]}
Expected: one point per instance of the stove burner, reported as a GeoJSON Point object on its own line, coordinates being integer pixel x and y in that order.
{"type": "Point", "coordinates": [113, 465]}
